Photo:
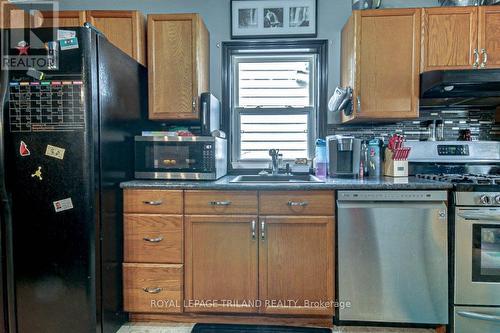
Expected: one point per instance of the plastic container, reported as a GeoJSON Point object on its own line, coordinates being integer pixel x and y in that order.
{"type": "Point", "coordinates": [320, 159]}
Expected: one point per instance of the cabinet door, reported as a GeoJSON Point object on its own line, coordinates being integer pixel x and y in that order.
{"type": "Point", "coordinates": [449, 38]}
{"type": "Point", "coordinates": [13, 16]}
{"type": "Point", "coordinates": [489, 36]}
{"type": "Point", "coordinates": [296, 264]}
{"type": "Point", "coordinates": [178, 65]}
{"type": "Point", "coordinates": [178, 60]}
{"type": "Point", "coordinates": [221, 263]}
{"type": "Point", "coordinates": [66, 18]}
{"type": "Point", "coordinates": [123, 28]}
{"type": "Point", "coordinates": [389, 60]}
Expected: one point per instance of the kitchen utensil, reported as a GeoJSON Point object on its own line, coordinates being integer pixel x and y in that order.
{"type": "Point", "coordinates": [366, 4]}
{"type": "Point", "coordinates": [462, 2]}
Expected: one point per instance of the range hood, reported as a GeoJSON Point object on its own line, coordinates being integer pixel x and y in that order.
{"type": "Point", "coordinates": [460, 88]}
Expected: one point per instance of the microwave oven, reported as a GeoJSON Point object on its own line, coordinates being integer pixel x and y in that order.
{"type": "Point", "coordinates": [180, 157]}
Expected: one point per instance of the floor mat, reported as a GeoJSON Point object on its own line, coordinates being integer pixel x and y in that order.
{"type": "Point", "coordinates": [224, 328]}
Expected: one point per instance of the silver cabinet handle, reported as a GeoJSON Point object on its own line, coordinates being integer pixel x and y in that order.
{"type": "Point", "coordinates": [479, 316]}
{"type": "Point", "coordinates": [263, 230]}
{"type": "Point", "coordinates": [476, 59]}
{"type": "Point", "coordinates": [153, 240]}
{"type": "Point", "coordinates": [358, 110]}
{"type": "Point", "coordinates": [156, 290]}
{"type": "Point", "coordinates": [485, 58]}
{"type": "Point", "coordinates": [220, 203]}
{"type": "Point", "coordinates": [481, 216]}
{"type": "Point", "coordinates": [297, 204]}
{"type": "Point", "coordinates": [254, 235]}
{"type": "Point", "coordinates": [194, 104]}
{"type": "Point", "coordinates": [153, 203]}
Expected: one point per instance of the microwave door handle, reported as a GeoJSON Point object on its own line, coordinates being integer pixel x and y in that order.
{"type": "Point", "coordinates": [479, 316]}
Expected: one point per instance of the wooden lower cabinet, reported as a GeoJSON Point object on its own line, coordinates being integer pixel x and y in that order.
{"type": "Point", "coordinates": [221, 263]}
{"type": "Point", "coordinates": [296, 265]}
{"type": "Point", "coordinates": [152, 288]}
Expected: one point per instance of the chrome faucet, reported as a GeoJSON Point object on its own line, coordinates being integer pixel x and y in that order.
{"type": "Point", "coordinates": [274, 153]}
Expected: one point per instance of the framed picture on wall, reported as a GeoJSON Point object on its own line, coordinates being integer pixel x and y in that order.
{"type": "Point", "coordinates": [273, 18]}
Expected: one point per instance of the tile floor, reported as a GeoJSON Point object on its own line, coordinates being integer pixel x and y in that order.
{"type": "Point", "coordinates": [186, 328]}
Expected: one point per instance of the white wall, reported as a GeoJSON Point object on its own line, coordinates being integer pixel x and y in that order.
{"type": "Point", "coordinates": [332, 15]}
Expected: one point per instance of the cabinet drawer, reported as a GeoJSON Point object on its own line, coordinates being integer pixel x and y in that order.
{"type": "Point", "coordinates": [221, 202]}
{"type": "Point", "coordinates": [153, 201]}
{"type": "Point", "coordinates": [152, 288]}
{"type": "Point", "coordinates": [296, 203]}
{"type": "Point", "coordinates": [153, 238]}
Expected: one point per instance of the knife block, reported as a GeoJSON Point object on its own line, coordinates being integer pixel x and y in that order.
{"type": "Point", "coordinates": [394, 168]}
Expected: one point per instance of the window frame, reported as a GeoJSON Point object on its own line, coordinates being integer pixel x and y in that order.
{"type": "Point", "coordinates": [316, 47]}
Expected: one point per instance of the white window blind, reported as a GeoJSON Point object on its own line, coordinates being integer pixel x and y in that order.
{"type": "Point", "coordinates": [273, 106]}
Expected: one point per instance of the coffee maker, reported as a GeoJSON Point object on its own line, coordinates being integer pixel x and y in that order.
{"type": "Point", "coordinates": [344, 155]}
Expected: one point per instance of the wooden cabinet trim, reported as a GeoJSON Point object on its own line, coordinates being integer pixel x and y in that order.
{"type": "Point", "coordinates": [64, 14]}
{"type": "Point", "coordinates": [320, 203]}
{"type": "Point", "coordinates": [484, 32]}
{"type": "Point", "coordinates": [197, 202]}
{"type": "Point", "coordinates": [172, 201]}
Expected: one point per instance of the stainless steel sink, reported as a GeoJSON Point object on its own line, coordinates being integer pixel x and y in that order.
{"type": "Point", "coordinates": [277, 179]}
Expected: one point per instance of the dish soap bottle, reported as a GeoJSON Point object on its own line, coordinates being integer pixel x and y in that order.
{"type": "Point", "coordinates": [320, 160]}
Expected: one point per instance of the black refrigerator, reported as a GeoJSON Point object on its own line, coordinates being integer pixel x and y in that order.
{"type": "Point", "coordinates": [66, 143]}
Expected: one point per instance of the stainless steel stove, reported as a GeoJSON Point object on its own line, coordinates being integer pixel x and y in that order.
{"type": "Point", "coordinates": [474, 170]}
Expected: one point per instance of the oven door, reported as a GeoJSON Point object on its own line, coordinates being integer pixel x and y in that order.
{"type": "Point", "coordinates": [477, 256]}
{"type": "Point", "coordinates": [476, 319]}
{"type": "Point", "coordinates": [157, 157]}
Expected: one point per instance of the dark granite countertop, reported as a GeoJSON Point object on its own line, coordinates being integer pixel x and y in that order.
{"type": "Point", "coordinates": [224, 183]}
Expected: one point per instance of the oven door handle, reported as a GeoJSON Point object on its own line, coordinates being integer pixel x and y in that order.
{"type": "Point", "coordinates": [479, 316]}
{"type": "Point", "coordinates": [495, 217]}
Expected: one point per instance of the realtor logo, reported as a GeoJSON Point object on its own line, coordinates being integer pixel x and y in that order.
{"type": "Point", "coordinates": [23, 49]}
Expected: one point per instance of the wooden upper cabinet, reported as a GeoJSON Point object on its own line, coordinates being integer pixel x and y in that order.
{"type": "Point", "coordinates": [178, 63]}
{"type": "Point", "coordinates": [13, 16]}
{"type": "Point", "coordinates": [489, 36]}
{"type": "Point", "coordinates": [450, 36]}
{"type": "Point", "coordinates": [66, 18]}
{"type": "Point", "coordinates": [296, 262]}
{"type": "Point", "coordinates": [221, 262]}
{"type": "Point", "coordinates": [381, 62]}
{"type": "Point", "coordinates": [124, 28]}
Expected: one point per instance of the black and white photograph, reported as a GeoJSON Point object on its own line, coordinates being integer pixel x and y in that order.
{"type": "Point", "coordinates": [247, 18]}
{"type": "Point", "coordinates": [299, 17]}
{"type": "Point", "coordinates": [273, 18]}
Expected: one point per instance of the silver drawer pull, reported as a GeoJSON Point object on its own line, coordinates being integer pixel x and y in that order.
{"type": "Point", "coordinates": [152, 290]}
{"type": "Point", "coordinates": [220, 203]}
{"type": "Point", "coordinates": [479, 316]}
{"type": "Point", "coordinates": [153, 203]}
{"type": "Point", "coordinates": [153, 240]}
{"type": "Point", "coordinates": [298, 204]}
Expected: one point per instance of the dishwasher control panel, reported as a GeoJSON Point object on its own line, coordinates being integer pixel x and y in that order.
{"type": "Point", "coordinates": [392, 196]}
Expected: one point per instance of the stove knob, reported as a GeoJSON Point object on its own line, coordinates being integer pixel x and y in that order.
{"type": "Point", "coordinates": [497, 199]}
{"type": "Point", "coordinates": [485, 200]}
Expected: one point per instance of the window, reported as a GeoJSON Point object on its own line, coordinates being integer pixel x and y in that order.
{"type": "Point", "coordinates": [273, 100]}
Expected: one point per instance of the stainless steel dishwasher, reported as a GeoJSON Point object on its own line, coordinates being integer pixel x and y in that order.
{"type": "Point", "coordinates": [393, 256]}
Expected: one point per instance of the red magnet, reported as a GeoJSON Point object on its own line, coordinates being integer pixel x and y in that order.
{"type": "Point", "coordinates": [23, 149]}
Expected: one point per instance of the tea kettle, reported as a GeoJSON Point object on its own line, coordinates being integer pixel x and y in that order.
{"type": "Point", "coordinates": [366, 4]}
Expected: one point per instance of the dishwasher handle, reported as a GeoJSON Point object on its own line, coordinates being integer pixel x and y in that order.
{"type": "Point", "coordinates": [479, 316]}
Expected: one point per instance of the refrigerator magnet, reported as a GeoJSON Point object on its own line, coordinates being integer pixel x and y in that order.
{"type": "Point", "coordinates": [38, 173]}
{"type": "Point", "coordinates": [65, 34]}
{"type": "Point", "coordinates": [23, 149]}
{"type": "Point", "coordinates": [36, 74]}
{"type": "Point", "coordinates": [68, 44]}
{"type": "Point", "coordinates": [62, 205]}
{"type": "Point", "coordinates": [55, 152]}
